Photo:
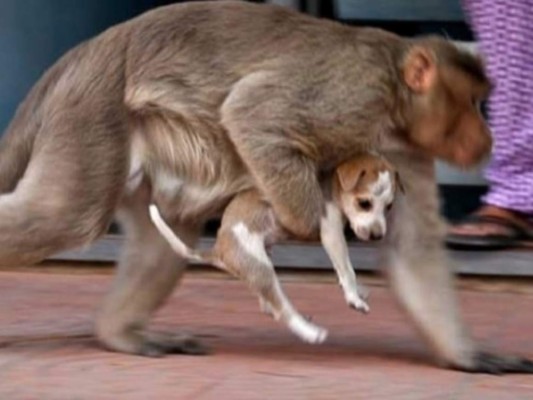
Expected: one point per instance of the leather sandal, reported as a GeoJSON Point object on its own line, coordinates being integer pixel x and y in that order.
{"type": "Point", "coordinates": [514, 237]}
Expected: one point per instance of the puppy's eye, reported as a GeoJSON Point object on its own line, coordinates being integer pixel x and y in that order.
{"type": "Point", "coordinates": [364, 204]}
{"type": "Point", "coordinates": [389, 207]}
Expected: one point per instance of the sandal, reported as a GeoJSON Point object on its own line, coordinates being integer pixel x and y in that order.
{"type": "Point", "coordinates": [514, 237]}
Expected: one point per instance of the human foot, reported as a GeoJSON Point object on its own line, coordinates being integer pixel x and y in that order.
{"type": "Point", "coordinates": [490, 227]}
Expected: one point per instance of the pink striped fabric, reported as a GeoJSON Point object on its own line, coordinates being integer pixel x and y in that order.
{"type": "Point", "coordinates": [504, 30]}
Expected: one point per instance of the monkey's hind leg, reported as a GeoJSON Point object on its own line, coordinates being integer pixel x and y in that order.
{"type": "Point", "coordinates": [148, 271]}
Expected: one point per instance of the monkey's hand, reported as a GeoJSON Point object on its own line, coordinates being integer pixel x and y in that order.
{"type": "Point", "coordinates": [488, 363]}
{"type": "Point", "coordinates": [288, 182]}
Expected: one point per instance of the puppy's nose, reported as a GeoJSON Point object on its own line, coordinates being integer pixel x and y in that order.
{"type": "Point", "coordinates": [376, 236]}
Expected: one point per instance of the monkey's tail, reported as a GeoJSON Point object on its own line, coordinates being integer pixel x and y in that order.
{"type": "Point", "coordinates": [175, 242]}
{"type": "Point", "coordinates": [17, 142]}
{"type": "Point", "coordinates": [15, 152]}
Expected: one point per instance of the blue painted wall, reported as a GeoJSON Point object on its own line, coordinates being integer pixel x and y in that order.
{"type": "Point", "coordinates": [34, 33]}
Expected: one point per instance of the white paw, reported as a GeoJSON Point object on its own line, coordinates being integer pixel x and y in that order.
{"type": "Point", "coordinates": [356, 302]}
{"type": "Point", "coordinates": [307, 331]}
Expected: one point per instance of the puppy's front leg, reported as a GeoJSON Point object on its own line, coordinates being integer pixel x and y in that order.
{"type": "Point", "coordinates": [334, 242]}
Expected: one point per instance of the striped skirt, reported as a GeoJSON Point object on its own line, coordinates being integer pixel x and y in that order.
{"type": "Point", "coordinates": [504, 31]}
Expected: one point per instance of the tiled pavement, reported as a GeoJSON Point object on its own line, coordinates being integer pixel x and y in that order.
{"type": "Point", "coordinates": [47, 352]}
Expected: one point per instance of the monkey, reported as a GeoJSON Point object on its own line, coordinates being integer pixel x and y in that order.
{"type": "Point", "coordinates": [188, 105]}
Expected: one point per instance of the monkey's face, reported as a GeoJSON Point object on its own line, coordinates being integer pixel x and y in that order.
{"type": "Point", "coordinates": [446, 121]}
{"type": "Point", "coordinates": [367, 189]}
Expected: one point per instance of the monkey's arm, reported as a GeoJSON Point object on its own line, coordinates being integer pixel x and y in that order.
{"type": "Point", "coordinates": [265, 132]}
{"type": "Point", "coordinates": [421, 274]}
{"type": "Point", "coordinates": [334, 242]}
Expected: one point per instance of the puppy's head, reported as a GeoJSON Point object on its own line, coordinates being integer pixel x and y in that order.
{"type": "Point", "coordinates": [365, 189]}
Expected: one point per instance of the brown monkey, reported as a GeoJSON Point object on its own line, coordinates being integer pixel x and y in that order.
{"type": "Point", "coordinates": [189, 104]}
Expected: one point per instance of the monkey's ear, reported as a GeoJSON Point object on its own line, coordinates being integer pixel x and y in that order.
{"type": "Point", "coordinates": [399, 183]}
{"type": "Point", "coordinates": [420, 69]}
{"type": "Point", "coordinates": [349, 176]}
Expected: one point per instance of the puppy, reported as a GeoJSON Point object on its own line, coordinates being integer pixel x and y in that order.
{"type": "Point", "coordinates": [361, 191]}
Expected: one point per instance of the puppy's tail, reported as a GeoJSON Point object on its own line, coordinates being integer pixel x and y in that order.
{"type": "Point", "coordinates": [174, 241]}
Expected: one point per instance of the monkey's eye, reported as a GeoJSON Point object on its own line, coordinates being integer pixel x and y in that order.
{"type": "Point", "coordinates": [364, 204]}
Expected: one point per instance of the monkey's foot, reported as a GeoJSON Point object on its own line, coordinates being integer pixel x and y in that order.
{"type": "Point", "coordinates": [160, 344]}
{"type": "Point", "coordinates": [151, 344]}
{"type": "Point", "coordinates": [487, 363]}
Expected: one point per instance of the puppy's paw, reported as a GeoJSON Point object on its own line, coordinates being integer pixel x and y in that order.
{"type": "Point", "coordinates": [356, 302]}
{"type": "Point", "coordinates": [307, 331]}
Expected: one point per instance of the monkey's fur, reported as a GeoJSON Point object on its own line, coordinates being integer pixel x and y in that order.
{"type": "Point", "coordinates": [189, 104]}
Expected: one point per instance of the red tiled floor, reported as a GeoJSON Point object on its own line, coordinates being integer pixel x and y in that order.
{"type": "Point", "coordinates": [46, 351]}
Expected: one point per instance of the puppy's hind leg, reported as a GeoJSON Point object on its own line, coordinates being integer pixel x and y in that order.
{"type": "Point", "coordinates": [242, 253]}
{"type": "Point", "coordinates": [247, 258]}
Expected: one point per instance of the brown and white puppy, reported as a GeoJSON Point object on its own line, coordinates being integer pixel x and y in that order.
{"type": "Point", "coordinates": [361, 191]}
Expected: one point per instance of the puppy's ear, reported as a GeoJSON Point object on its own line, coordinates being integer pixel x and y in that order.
{"type": "Point", "coordinates": [349, 176]}
{"type": "Point", "coordinates": [399, 183]}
